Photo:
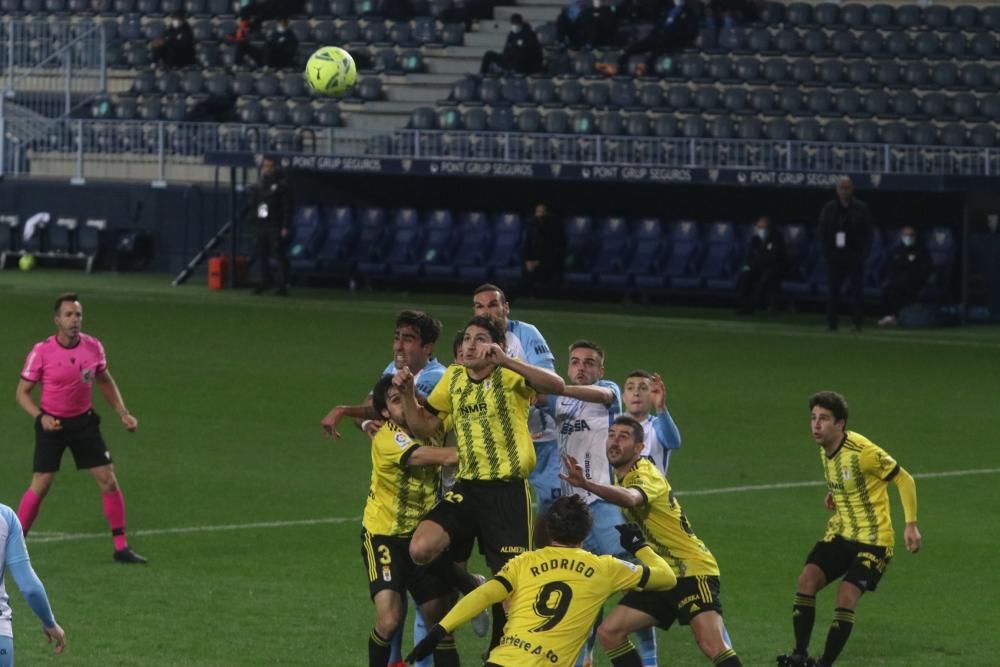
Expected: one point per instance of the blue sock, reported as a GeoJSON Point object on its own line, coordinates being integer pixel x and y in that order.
{"type": "Point", "coordinates": [647, 646]}
{"type": "Point", "coordinates": [396, 643]}
{"type": "Point", "coordinates": [419, 632]}
{"type": "Point", "coordinates": [6, 652]}
{"type": "Point", "coordinates": [587, 652]}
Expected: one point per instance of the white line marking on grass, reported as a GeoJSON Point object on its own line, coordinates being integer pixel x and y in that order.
{"type": "Point", "coordinates": [46, 537]}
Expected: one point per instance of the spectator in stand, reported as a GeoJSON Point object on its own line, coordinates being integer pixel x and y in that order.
{"type": "Point", "coordinates": [543, 251]}
{"type": "Point", "coordinates": [176, 47]}
{"type": "Point", "coordinates": [254, 12]}
{"type": "Point", "coordinates": [907, 269]}
{"type": "Point", "coordinates": [522, 54]}
{"type": "Point", "coordinates": [763, 267]}
{"type": "Point", "coordinates": [675, 29]}
{"type": "Point", "coordinates": [280, 50]}
{"type": "Point", "coordinates": [584, 24]}
{"type": "Point", "coordinates": [845, 237]}
{"type": "Point", "coordinates": [733, 12]}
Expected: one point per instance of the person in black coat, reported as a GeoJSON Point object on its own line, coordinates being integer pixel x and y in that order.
{"type": "Point", "coordinates": [908, 269]}
{"type": "Point", "coordinates": [522, 54]}
{"type": "Point", "coordinates": [542, 251]}
{"type": "Point", "coordinates": [845, 237]}
{"type": "Point", "coordinates": [676, 28]}
{"type": "Point", "coordinates": [763, 267]}
{"type": "Point", "coordinates": [176, 47]}
{"type": "Point", "coordinates": [270, 212]}
{"type": "Point", "coordinates": [280, 51]}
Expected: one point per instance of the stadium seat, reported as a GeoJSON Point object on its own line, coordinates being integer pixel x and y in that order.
{"type": "Point", "coordinates": [798, 280]}
{"type": "Point", "coordinates": [60, 236]}
{"type": "Point", "coordinates": [680, 260]}
{"type": "Point", "coordinates": [306, 235]}
{"type": "Point", "coordinates": [722, 253]}
{"type": "Point", "coordinates": [854, 15]}
{"type": "Point", "coordinates": [665, 126]}
{"type": "Point", "coordinates": [942, 248]}
{"type": "Point", "coordinates": [989, 18]}
{"type": "Point", "coordinates": [334, 253]}
{"type": "Point", "coordinates": [578, 257]}
{"type": "Point", "coordinates": [327, 114]}
{"type": "Point", "coordinates": [965, 17]}
{"type": "Point", "coordinates": [644, 268]}
{"type": "Point", "coordinates": [799, 14]}
{"type": "Point", "coordinates": [865, 132]}
{"type": "Point", "coordinates": [474, 237]}
{"type": "Point", "coordinates": [637, 125]}
{"type": "Point", "coordinates": [651, 96]}
{"type": "Point", "coordinates": [894, 133]}
{"type": "Point", "coordinates": [909, 16]}
{"type": "Point", "coordinates": [504, 261]}
{"type": "Point", "coordinates": [607, 269]}
{"type": "Point", "coordinates": [436, 249]}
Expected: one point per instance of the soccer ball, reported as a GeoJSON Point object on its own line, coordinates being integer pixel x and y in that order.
{"type": "Point", "coordinates": [27, 262]}
{"type": "Point", "coordinates": [331, 71]}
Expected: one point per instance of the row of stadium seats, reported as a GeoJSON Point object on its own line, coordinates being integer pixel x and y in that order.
{"type": "Point", "coordinates": [647, 255]}
{"type": "Point", "coordinates": [699, 125]}
{"type": "Point", "coordinates": [195, 8]}
{"type": "Point", "coordinates": [177, 107]}
{"type": "Point", "coordinates": [938, 16]}
{"type": "Point", "coordinates": [185, 140]}
{"type": "Point", "coordinates": [244, 84]}
{"type": "Point", "coordinates": [62, 238]}
{"type": "Point", "coordinates": [778, 100]}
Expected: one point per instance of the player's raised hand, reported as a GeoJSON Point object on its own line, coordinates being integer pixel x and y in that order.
{"type": "Point", "coordinates": [371, 427]}
{"type": "Point", "coordinates": [403, 378]}
{"type": "Point", "coordinates": [829, 502]}
{"type": "Point", "coordinates": [130, 422]}
{"type": "Point", "coordinates": [56, 634]}
{"type": "Point", "coordinates": [574, 472]}
{"type": "Point", "coordinates": [495, 354]}
{"type": "Point", "coordinates": [911, 535]}
{"type": "Point", "coordinates": [658, 392]}
{"type": "Point", "coordinates": [329, 423]}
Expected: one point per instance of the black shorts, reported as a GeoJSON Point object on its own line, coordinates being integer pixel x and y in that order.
{"type": "Point", "coordinates": [860, 564]}
{"type": "Point", "coordinates": [496, 514]}
{"type": "Point", "coordinates": [82, 434]}
{"type": "Point", "coordinates": [389, 567]}
{"type": "Point", "coordinates": [690, 597]}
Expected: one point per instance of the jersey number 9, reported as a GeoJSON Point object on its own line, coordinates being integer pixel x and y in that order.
{"type": "Point", "coordinates": [552, 604]}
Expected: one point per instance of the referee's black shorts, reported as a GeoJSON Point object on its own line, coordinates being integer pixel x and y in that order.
{"type": "Point", "coordinates": [82, 434]}
{"type": "Point", "coordinates": [497, 514]}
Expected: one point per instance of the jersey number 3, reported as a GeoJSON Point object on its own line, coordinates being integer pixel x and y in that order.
{"type": "Point", "coordinates": [552, 604]}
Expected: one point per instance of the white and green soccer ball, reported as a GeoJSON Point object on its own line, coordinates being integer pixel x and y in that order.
{"type": "Point", "coordinates": [331, 71]}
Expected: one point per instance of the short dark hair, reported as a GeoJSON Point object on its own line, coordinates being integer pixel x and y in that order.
{"type": "Point", "coordinates": [64, 297]}
{"type": "Point", "coordinates": [637, 431]}
{"type": "Point", "coordinates": [639, 373]}
{"type": "Point", "coordinates": [456, 342]}
{"type": "Point", "coordinates": [380, 393]}
{"type": "Point", "coordinates": [587, 345]}
{"type": "Point", "coordinates": [832, 401]}
{"type": "Point", "coordinates": [516, 19]}
{"type": "Point", "coordinates": [496, 332]}
{"type": "Point", "coordinates": [428, 327]}
{"type": "Point", "coordinates": [490, 287]}
{"type": "Point", "coordinates": [568, 520]}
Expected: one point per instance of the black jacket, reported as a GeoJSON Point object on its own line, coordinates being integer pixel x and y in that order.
{"type": "Point", "coordinates": [284, 48]}
{"type": "Point", "coordinates": [544, 241]}
{"type": "Point", "coordinates": [767, 255]}
{"type": "Point", "coordinates": [522, 52]}
{"type": "Point", "coordinates": [270, 206]}
{"type": "Point", "coordinates": [908, 266]}
{"type": "Point", "coordinates": [855, 222]}
{"type": "Point", "coordinates": [180, 43]}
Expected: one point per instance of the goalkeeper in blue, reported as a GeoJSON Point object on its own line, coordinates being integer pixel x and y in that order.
{"type": "Point", "coordinates": [14, 558]}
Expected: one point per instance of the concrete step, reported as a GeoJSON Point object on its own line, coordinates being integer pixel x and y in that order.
{"type": "Point", "coordinates": [422, 79]}
{"type": "Point", "coordinates": [381, 122]}
{"type": "Point", "coordinates": [485, 40]}
{"type": "Point", "coordinates": [456, 66]}
{"type": "Point", "coordinates": [422, 94]}
{"type": "Point", "coordinates": [385, 107]}
{"type": "Point", "coordinates": [533, 15]}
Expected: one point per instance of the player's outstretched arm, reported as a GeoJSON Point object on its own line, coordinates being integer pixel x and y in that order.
{"type": "Point", "coordinates": [908, 495]}
{"type": "Point", "coordinates": [433, 456]}
{"type": "Point", "coordinates": [618, 495]}
{"type": "Point", "coordinates": [661, 575]}
{"type": "Point", "coordinates": [420, 422]}
{"type": "Point", "coordinates": [541, 380]}
{"type": "Point", "coordinates": [19, 565]}
{"type": "Point", "coordinates": [590, 393]}
{"type": "Point", "coordinates": [467, 609]}
{"type": "Point", "coordinates": [109, 388]}
{"type": "Point", "coordinates": [359, 413]}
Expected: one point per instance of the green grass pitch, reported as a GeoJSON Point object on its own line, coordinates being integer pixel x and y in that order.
{"type": "Point", "coordinates": [250, 518]}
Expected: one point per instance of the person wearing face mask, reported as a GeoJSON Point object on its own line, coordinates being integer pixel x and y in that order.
{"type": "Point", "coordinates": [763, 267]}
{"type": "Point", "coordinates": [279, 52]}
{"type": "Point", "coordinates": [522, 54]}
{"type": "Point", "coordinates": [907, 271]}
{"type": "Point", "coordinates": [587, 23]}
{"type": "Point", "coordinates": [845, 237]}
{"type": "Point", "coordinates": [176, 47]}
{"type": "Point", "coordinates": [676, 28]}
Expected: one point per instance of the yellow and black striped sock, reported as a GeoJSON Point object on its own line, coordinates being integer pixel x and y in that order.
{"type": "Point", "coordinates": [445, 654]}
{"type": "Point", "coordinates": [727, 658]}
{"type": "Point", "coordinates": [624, 655]}
{"type": "Point", "coordinates": [840, 630]}
{"type": "Point", "coordinates": [803, 618]}
{"type": "Point", "coordinates": [378, 649]}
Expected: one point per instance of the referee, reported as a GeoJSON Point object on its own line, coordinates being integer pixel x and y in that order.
{"type": "Point", "coordinates": [67, 365]}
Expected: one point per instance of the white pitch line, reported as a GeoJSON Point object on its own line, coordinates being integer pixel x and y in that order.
{"type": "Point", "coordinates": [46, 537]}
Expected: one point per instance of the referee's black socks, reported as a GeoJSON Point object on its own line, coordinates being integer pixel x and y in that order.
{"type": "Point", "coordinates": [803, 618]}
{"type": "Point", "coordinates": [379, 649]}
{"type": "Point", "coordinates": [840, 630]}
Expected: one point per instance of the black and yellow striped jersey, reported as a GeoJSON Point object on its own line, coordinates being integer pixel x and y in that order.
{"type": "Point", "coordinates": [555, 594]}
{"type": "Point", "coordinates": [399, 495]}
{"type": "Point", "coordinates": [663, 523]}
{"type": "Point", "coordinates": [490, 420]}
{"type": "Point", "coordinates": [858, 476]}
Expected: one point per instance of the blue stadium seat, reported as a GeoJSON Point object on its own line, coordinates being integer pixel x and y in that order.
{"type": "Point", "coordinates": [579, 250]}
{"type": "Point", "coordinates": [333, 254]}
{"type": "Point", "coordinates": [942, 248]}
{"type": "Point", "coordinates": [436, 252]}
{"type": "Point", "coordinates": [61, 234]}
{"type": "Point", "coordinates": [505, 259]}
{"type": "Point", "coordinates": [722, 253]}
{"type": "Point", "coordinates": [402, 247]}
{"type": "Point", "coordinates": [607, 257]}
{"type": "Point", "coordinates": [306, 236]}
{"type": "Point", "coordinates": [680, 262]}
{"type": "Point", "coordinates": [370, 248]}
{"type": "Point", "coordinates": [644, 269]}
{"type": "Point", "coordinates": [800, 258]}
{"type": "Point", "coordinates": [474, 237]}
